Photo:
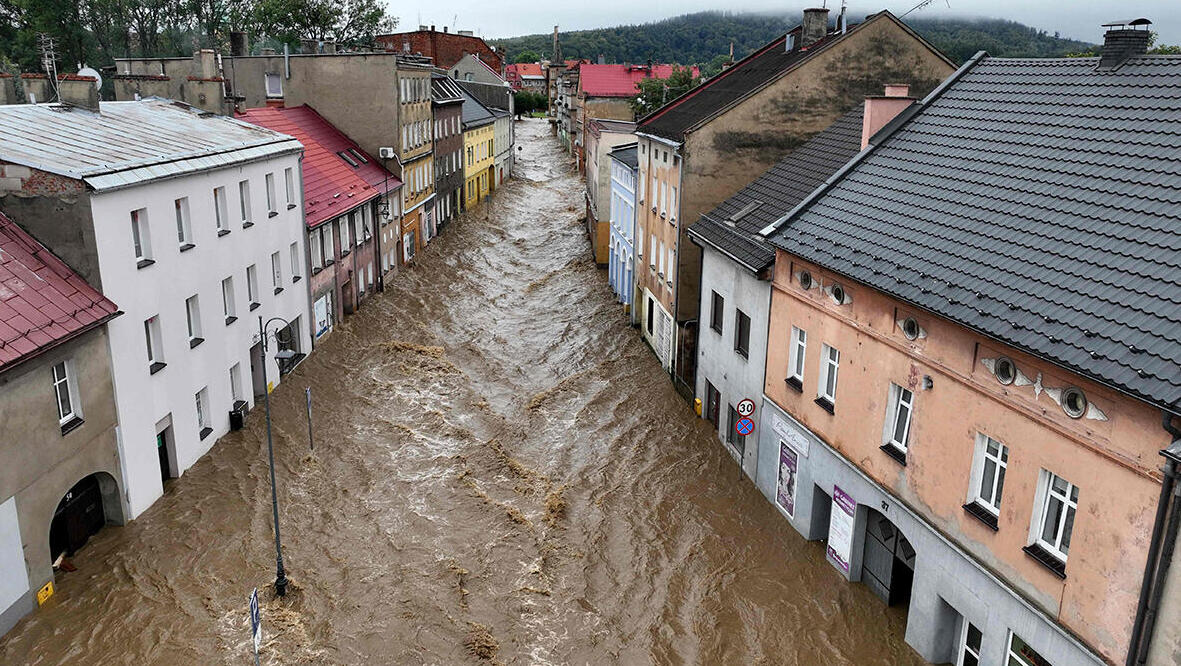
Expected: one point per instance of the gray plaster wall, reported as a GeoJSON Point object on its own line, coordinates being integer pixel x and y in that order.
{"type": "Point", "coordinates": [60, 222]}
{"type": "Point", "coordinates": [1166, 636]}
{"type": "Point", "coordinates": [717, 361]}
{"type": "Point", "coordinates": [38, 464]}
{"type": "Point", "coordinates": [949, 586]}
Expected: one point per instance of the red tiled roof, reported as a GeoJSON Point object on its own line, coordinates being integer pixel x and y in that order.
{"type": "Point", "coordinates": [619, 80]}
{"type": "Point", "coordinates": [331, 186]}
{"type": "Point", "coordinates": [42, 301]}
{"type": "Point", "coordinates": [527, 69]}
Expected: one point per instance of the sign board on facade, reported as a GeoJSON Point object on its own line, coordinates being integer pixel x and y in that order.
{"type": "Point", "coordinates": [746, 407]}
{"type": "Point", "coordinates": [44, 593]}
{"type": "Point", "coordinates": [785, 493]}
{"type": "Point", "coordinates": [840, 528]}
{"type": "Point", "coordinates": [790, 434]}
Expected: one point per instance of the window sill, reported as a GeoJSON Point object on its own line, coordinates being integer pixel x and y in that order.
{"type": "Point", "coordinates": [187, 246]}
{"type": "Point", "coordinates": [982, 514]}
{"type": "Point", "coordinates": [794, 383]}
{"type": "Point", "coordinates": [278, 290]}
{"type": "Point", "coordinates": [223, 232]}
{"type": "Point", "coordinates": [295, 279]}
{"type": "Point", "coordinates": [316, 270]}
{"type": "Point", "coordinates": [744, 353]}
{"type": "Point", "coordinates": [273, 213]}
{"type": "Point", "coordinates": [329, 262]}
{"type": "Point", "coordinates": [345, 253]}
{"type": "Point", "coordinates": [72, 424]}
{"type": "Point", "coordinates": [156, 367]}
{"type": "Point", "coordinates": [1047, 559]}
{"type": "Point", "coordinates": [716, 329]}
{"type": "Point", "coordinates": [898, 455]}
{"type": "Point", "coordinates": [143, 263]}
{"type": "Point", "coordinates": [205, 432]}
{"type": "Point", "coordinates": [254, 306]}
{"type": "Point", "coordinates": [193, 342]}
{"type": "Point", "coordinates": [247, 225]}
{"type": "Point", "coordinates": [290, 206]}
{"type": "Point", "coordinates": [825, 404]}
{"type": "Point", "coordinates": [231, 319]}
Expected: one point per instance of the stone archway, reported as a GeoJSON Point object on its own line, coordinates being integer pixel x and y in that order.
{"type": "Point", "coordinates": [888, 563]}
{"type": "Point", "coordinates": [84, 509]}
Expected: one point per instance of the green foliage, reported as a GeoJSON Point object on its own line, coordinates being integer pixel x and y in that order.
{"type": "Point", "coordinates": [526, 56]}
{"type": "Point", "coordinates": [528, 101]}
{"type": "Point", "coordinates": [655, 93]}
{"type": "Point", "coordinates": [702, 37]}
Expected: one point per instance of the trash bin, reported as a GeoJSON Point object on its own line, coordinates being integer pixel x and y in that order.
{"type": "Point", "coordinates": [238, 415]}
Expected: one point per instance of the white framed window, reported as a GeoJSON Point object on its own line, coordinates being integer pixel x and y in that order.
{"type": "Point", "coordinates": [1021, 654]}
{"type": "Point", "coordinates": [295, 262]}
{"type": "Point", "coordinates": [329, 250]}
{"type": "Point", "coordinates": [671, 264]}
{"type": "Point", "coordinates": [271, 203]}
{"type": "Point", "coordinates": [988, 473]}
{"type": "Point", "coordinates": [969, 645]}
{"type": "Point", "coordinates": [66, 389]}
{"type": "Point", "coordinates": [228, 306]}
{"type": "Point", "coordinates": [193, 318]}
{"type": "Point", "coordinates": [201, 400]}
{"type": "Point", "coordinates": [289, 181]}
{"type": "Point", "coordinates": [344, 223]}
{"type": "Point", "coordinates": [274, 84]}
{"type": "Point", "coordinates": [276, 272]}
{"type": "Point", "coordinates": [220, 211]}
{"type": "Point", "coordinates": [797, 354]}
{"type": "Point", "coordinates": [244, 201]}
{"type": "Point", "coordinates": [899, 411]}
{"type": "Point", "coordinates": [184, 230]}
{"type": "Point", "coordinates": [252, 285]}
{"type": "Point", "coordinates": [155, 346]}
{"type": "Point", "coordinates": [317, 256]}
{"type": "Point", "coordinates": [1055, 515]}
{"type": "Point", "coordinates": [236, 382]}
{"type": "Point", "coordinates": [140, 236]}
{"type": "Point", "coordinates": [660, 271]}
{"type": "Point", "coordinates": [830, 363]}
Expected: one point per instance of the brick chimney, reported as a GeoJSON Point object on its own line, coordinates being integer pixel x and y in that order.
{"type": "Point", "coordinates": [79, 91]}
{"type": "Point", "coordinates": [1124, 40]}
{"type": "Point", "coordinates": [881, 109]}
{"type": "Point", "coordinates": [238, 43]}
{"type": "Point", "coordinates": [208, 63]}
{"type": "Point", "coordinates": [815, 26]}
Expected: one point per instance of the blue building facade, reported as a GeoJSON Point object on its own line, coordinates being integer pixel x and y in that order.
{"type": "Point", "coordinates": [620, 266]}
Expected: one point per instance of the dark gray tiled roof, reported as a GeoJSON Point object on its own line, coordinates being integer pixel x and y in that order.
{"type": "Point", "coordinates": [626, 154]}
{"type": "Point", "coordinates": [776, 192]}
{"type": "Point", "coordinates": [1035, 201]}
{"type": "Point", "coordinates": [474, 114]}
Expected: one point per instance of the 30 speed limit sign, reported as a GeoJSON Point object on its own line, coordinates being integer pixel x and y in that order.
{"type": "Point", "coordinates": [746, 407]}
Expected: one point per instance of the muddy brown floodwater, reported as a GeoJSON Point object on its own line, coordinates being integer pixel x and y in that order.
{"type": "Point", "coordinates": [502, 472]}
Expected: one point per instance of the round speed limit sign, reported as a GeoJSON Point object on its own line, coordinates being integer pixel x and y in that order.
{"type": "Point", "coordinates": [746, 407]}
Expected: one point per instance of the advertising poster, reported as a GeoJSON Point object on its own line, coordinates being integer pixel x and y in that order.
{"type": "Point", "coordinates": [786, 494]}
{"type": "Point", "coordinates": [320, 311]}
{"type": "Point", "coordinates": [840, 528]}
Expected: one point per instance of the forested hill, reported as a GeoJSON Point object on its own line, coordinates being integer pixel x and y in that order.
{"type": "Point", "coordinates": [702, 37]}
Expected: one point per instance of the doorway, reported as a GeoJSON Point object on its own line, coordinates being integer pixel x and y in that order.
{"type": "Point", "coordinates": [888, 563]}
{"type": "Point", "coordinates": [256, 380]}
{"type": "Point", "coordinates": [166, 452]}
{"type": "Point", "coordinates": [79, 515]}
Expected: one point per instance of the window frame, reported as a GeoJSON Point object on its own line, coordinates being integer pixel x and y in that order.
{"type": "Point", "coordinates": [277, 79]}
{"type": "Point", "coordinates": [289, 185]}
{"type": "Point", "coordinates": [798, 354]}
{"type": "Point", "coordinates": [141, 239]}
{"type": "Point", "coordinates": [898, 401]}
{"type": "Point", "coordinates": [252, 286]}
{"type": "Point", "coordinates": [1069, 502]}
{"type": "Point", "coordinates": [184, 227]}
{"type": "Point", "coordinates": [193, 320]}
{"type": "Point", "coordinates": [244, 203]}
{"type": "Point", "coordinates": [68, 382]}
{"type": "Point", "coordinates": [963, 648]}
{"type": "Point", "coordinates": [221, 210]}
{"type": "Point", "coordinates": [1010, 655]}
{"type": "Point", "coordinates": [741, 333]}
{"type": "Point", "coordinates": [980, 462]}
{"type": "Point", "coordinates": [272, 196]}
{"type": "Point", "coordinates": [717, 314]}
{"type": "Point", "coordinates": [830, 357]}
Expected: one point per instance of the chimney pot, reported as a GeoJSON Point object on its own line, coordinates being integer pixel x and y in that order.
{"type": "Point", "coordinates": [1123, 41]}
{"type": "Point", "coordinates": [815, 26]}
{"type": "Point", "coordinates": [897, 90]}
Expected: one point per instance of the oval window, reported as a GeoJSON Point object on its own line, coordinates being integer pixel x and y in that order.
{"type": "Point", "coordinates": [1005, 371]}
{"type": "Point", "coordinates": [1074, 402]}
{"type": "Point", "coordinates": [838, 294]}
{"type": "Point", "coordinates": [910, 328]}
{"type": "Point", "coordinates": [805, 279]}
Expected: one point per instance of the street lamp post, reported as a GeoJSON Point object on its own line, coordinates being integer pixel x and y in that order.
{"type": "Point", "coordinates": [280, 574]}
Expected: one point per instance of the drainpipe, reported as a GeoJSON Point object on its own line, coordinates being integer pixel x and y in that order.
{"type": "Point", "coordinates": [1160, 549]}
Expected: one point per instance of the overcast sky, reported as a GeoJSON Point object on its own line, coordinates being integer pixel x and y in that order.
{"type": "Point", "coordinates": [1079, 19]}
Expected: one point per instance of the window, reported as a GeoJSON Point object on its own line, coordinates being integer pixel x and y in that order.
{"type": "Point", "coordinates": [317, 256]}
{"type": "Point", "coordinates": [274, 85]}
{"type": "Point", "coordinates": [193, 317]}
{"type": "Point", "coordinates": [732, 436]}
{"type": "Point", "coordinates": [220, 211]}
{"type": "Point", "coordinates": [742, 333]}
{"type": "Point", "coordinates": [1056, 522]}
{"type": "Point", "coordinates": [295, 262]}
{"type": "Point", "coordinates": [1004, 370]}
{"type": "Point", "coordinates": [1020, 654]}
{"type": "Point", "coordinates": [140, 239]}
{"type": "Point", "coordinates": [717, 312]}
{"type": "Point", "coordinates": [671, 264]}
{"type": "Point", "coordinates": [202, 403]}
{"type": "Point", "coordinates": [661, 260]}
{"type": "Point", "coordinates": [1074, 402]}
{"type": "Point", "coordinates": [329, 251]}
{"type": "Point", "coordinates": [830, 360]}
{"type": "Point", "coordinates": [244, 198]}
{"type": "Point", "coordinates": [66, 390]}
{"type": "Point", "coordinates": [184, 231]}
{"type": "Point", "coordinates": [970, 640]}
{"type": "Point", "coordinates": [988, 474]}
{"type": "Point", "coordinates": [795, 362]}
{"type": "Point", "coordinates": [236, 382]}
{"type": "Point", "coordinates": [651, 314]}
{"type": "Point", "coordinates": [900, 409]}
{"type": "Point", "coordinates": [276, 272]}
{"type": "Point", "coordinates": [289, 179]}
{"type": "Point", "coordinates": [252, 286]}
{"type": "Point", "coordinates": [227, 300]}
{"type": "Point", "coordinates": [270, 179]}
{"type": "Point", "coordinates": [363, 229]}
{"type": "Point", "coordinates": [154, 343]}
{"type": "Point", "coordinates": [713, 401]}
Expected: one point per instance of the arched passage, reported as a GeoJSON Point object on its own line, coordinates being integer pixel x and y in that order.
{"type": "Point", "coordinates": [888, 562]}
{"type": "Point", "coordinates": [86, 507]}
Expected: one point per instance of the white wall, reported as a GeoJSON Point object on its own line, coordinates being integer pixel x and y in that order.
{"type": "Point", "coordinates": [14, 584]}
{"type": "Point", "coordinates": [143, 399]}
{"type": "Point", "coordinates": [731, 374]}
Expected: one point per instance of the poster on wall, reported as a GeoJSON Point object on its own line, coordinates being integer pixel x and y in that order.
{"type": "Point", "coordinates": [320, 311]}
{"type": "Point", "coordinates": [840, 528]}
{"type": "Point", "coordinates": [786, 493]}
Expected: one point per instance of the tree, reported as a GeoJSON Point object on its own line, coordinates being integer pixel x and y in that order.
{"type": "Point", "coordinates": [655, 93]}
{"type": "Point", "coordinates": [526, 56]}
{"type": "Point", "coordinates": [350, 22]}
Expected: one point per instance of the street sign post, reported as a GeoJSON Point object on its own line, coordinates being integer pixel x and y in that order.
{"type": "Point", "coordinates": [746, 407]}
{"type": "Point", "coordinates": [255, 623]}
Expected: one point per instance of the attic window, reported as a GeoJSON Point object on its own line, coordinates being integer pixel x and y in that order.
{"type": "Point", "coordinates": [1074, 402]}
{"type": "Point", "coordinates": [345, 156]}
{"type": "Point", "coordinates": [838, 294]}
{"type": "Point", "coordinates": [357, 154]}
{"type": "Point", "coordinates": [910, 328]}
{"type": "Point", "coordinates": [805, 280]}
{"type": "Point", "coordinates": [745, 210]}
{"type": "Point", "coordinates": [1004, 370]}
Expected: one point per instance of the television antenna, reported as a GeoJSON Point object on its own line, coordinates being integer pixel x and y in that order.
{"type": "Point", "coordinates": [922, 4]}
{"type": "Point", "coordinates": [49, 61]}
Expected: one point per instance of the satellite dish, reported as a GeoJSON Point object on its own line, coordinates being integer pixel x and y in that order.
{"type": "Point", "coordinates": [90, 71]}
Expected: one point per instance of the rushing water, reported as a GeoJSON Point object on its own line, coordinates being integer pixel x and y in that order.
{"type": "Point", "coordinates": [501, 471]}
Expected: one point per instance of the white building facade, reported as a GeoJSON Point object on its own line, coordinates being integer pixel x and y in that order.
{"type": "Point", "coordinates": [621, 264]}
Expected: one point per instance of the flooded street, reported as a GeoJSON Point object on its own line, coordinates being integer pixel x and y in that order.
{"type": "Point", "coordinates": [501, 472]}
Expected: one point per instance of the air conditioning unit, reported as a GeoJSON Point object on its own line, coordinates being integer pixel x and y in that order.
{"type": "Point", "coordinates": [386, 153]}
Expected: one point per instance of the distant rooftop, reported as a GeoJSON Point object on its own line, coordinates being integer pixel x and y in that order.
{"type": "Point", "coordinates": [619, 80]}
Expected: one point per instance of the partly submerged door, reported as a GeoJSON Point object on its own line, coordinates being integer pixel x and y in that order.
{"type": "Point", "coordinates": [888, 565]}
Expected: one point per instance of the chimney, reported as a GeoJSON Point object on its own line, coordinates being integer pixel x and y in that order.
{"type": "Point", "coordinates": [208, 63]}
{"type": "Point", "coordinates": [330, 48]}
{"type": "Point", "coordinates": [432, 27]}
{"type": "Point", "coordinates": [79, 91]}
{"type": "Point", "coordinates": [237, 43]}
{"type": "Point", "coordinates": [881, 109]}
{"type": "Point", "coordinates": [309, 45]}
{"type": "Point", "coordinates": [1123, 41]}
{"type": "Point", "coordinates": [444, 28]}
{"type": "Point", "coordinates": [815, 26]}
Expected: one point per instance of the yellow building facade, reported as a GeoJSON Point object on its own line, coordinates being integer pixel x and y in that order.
{"type": "Point", "coordinates": [477, 165]}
